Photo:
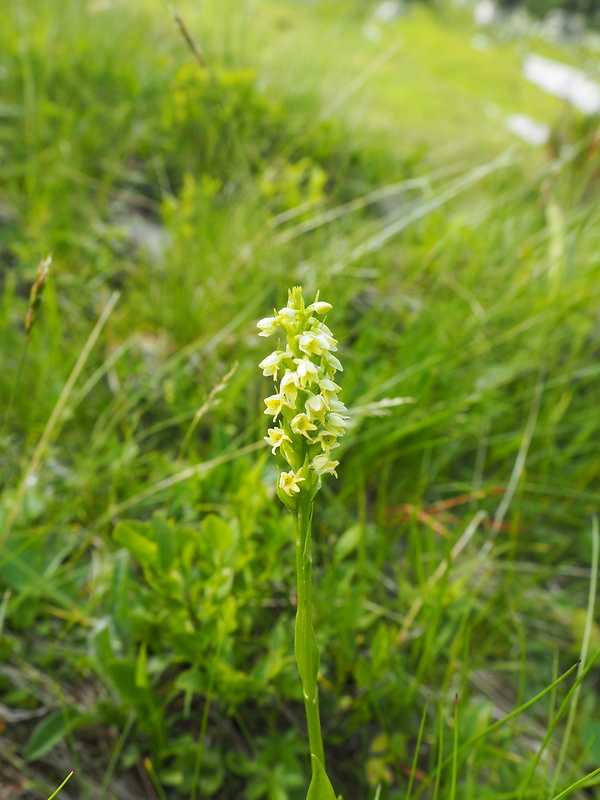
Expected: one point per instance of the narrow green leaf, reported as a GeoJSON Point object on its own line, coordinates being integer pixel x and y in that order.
{"type": "Point", "coordinates": [64, 783]}
{"type": "Point", "coordinates": [50, 732]}
{"type": "Point", "coordinates": [306, 649]}
{"type": "Point", "coordinates": [141, 667]}
{"type": "Point", "coordinates": [348, 542]}
{"type": "Point", "coordinates": [165, 542]}
{"type": "Point", "coordinates": [139, 545]}
{"type": "Point", "coordinates": [417, 751]}
{"type": "Point", "coordinates": [577, 785]}
{"type": "Point", "coordinates": [454, 752]}
{"type": "Point", "coordinates": [122, 674]}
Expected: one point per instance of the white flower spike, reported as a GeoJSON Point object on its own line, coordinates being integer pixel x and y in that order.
{"type": "Point", "coordinates": [311, 416]}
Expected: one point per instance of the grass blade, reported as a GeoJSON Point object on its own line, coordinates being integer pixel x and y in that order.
{"type": "Point", "coordinates": [69, 776]}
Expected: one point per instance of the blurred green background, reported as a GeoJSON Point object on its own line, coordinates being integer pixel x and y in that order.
{"type": "Point", "coordinates": [146, 566]}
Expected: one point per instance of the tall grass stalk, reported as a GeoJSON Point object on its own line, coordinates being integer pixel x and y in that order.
{"type": "Point", "coordinates": [54, 420]}
{"type": "Point", "coordinates": [413, 768]}
{"type": "Point", "coordinates": [454, 780]}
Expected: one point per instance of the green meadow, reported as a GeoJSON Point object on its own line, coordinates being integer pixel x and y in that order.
{"type": "Point", "coordinates": [183, 173]}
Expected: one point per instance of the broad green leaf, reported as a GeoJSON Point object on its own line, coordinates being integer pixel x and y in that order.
{"type": "Point", "coordinates": [119, 606]}
{"type": "Point", "coordinates": [191, 645]}
{"type": "Point", "coordinates": [320, 786]}
{"type": "Point", "coordinates": [51, 731]}
{"type": "Point", "coordinates": [123, 676]}
{"type": "Point", "coordinates": [139, 545]}
{"type": "Point", "coordinates": [220, 584]}
{"type": "Point", "coordinates": [216, 533]}
{"type": "Point", "coordinates": [192, 681]}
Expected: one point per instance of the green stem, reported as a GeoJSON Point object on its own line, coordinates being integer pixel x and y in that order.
{"type": "Point", "coordinates": [305, 642]}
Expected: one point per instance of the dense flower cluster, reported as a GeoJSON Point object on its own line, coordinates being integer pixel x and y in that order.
{"type": "Point", "coordinates": [306, 407]}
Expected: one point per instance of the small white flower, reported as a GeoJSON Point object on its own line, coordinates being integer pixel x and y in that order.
{"type": "Point", "coordinates": [332, 361]}
{"type": "Point", "coordinates": [327, 440]}
{"type": "Point", "coordinates": [329, 389]}
{"type": "Point", "coordinates": [275, 438]}
{"type": "Point", "coordinates": [275, 403]}
{"type": "Point", "coordinates": [334, 423]}
{"type": "Point", "coordinates": [324, 330]}
{"type": "Point", "coordinates": [337, 407]}
{"type": "Point", "coordinates": [289, 482]}
{"type": "Point", "coordinates": [306, 370]}
{"type": "Point", "coordinates": [267, 325]}
{"type": "Point", "coordinates": [322, 464]}
{"type": "Point", "coordinates": [321, 330]}
{"type": "Point", "coordinates": [319, 307]}
{"type": "Point", "coordinates": [316, 407]}
{"type": "Point", "coordinates": [313, 343]}
{"type": "Point", "coordinates": [271, 364]}
{"type": "Point", "coordinates": [302, 424]}
{"type": "Point", "coordinates": [286, 314]}
{"type": "Point", "coordinates": [288, 386]}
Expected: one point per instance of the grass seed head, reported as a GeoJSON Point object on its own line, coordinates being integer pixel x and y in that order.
{"type": "Point", "coordinates": [36, 294]}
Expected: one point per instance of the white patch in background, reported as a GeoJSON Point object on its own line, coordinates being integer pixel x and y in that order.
{"type": "Point", "coordinates": [145, 234]}
{"type": "Point", "coordinates": [480, 41]}
{"type": "Point", "coordinates": [372, 32]}
{"type": "Point", "coordinates": [389, 10]}
{"type": "Point", "coordinates": [563, 81]}
{"type": "Point", "coordinates": [484, 12]}
{"type": "Point", "coordinates": [528, 129]}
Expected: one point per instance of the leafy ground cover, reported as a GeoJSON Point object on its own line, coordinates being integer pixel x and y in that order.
{"type": "Point", "coordinates": [147, 567]}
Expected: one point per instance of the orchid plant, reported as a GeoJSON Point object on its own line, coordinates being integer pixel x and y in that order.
{"type": "Point", "coordinates": [308, 420]}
